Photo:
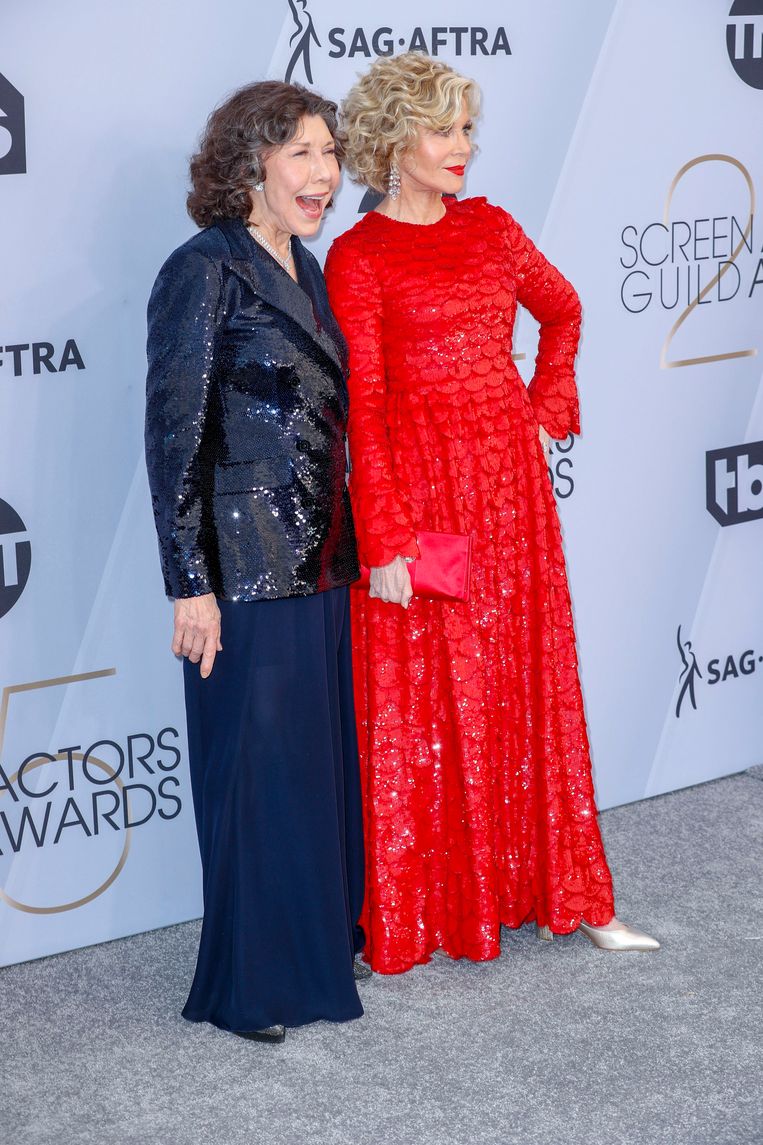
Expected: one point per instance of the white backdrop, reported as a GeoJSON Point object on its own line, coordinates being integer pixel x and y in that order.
{"type": "Point", "coordinates": [626, 138]}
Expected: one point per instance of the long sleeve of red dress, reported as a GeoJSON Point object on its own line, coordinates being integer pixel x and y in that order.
{"type": "Point", "coordinates": [553, 302]}
{"type": "Point", "coordinates": [383, 520]}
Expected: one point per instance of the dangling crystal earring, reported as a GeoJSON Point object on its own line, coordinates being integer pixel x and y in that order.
{"type": "Point", "coordinates": [258, 187]}
{"type": "Point", "coordinates": [393, 181]}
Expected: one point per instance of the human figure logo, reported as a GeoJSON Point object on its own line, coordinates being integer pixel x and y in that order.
{"type": "Point", "coordinates": [12, 132]}
{"type": "Point", "coordinates": [744, 40]}
{"type": "Point", "coordinates": [720, 671]}
{"type": "Point", "coordinates": [301, 39]}
{"type": "Point", "coordinates": [689, 673]}
{"type": "Point", "coordinates": [15, 557]}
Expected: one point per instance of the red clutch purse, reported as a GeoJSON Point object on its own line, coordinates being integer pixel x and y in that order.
{"type": "Point", "coordinates": [441, 572]}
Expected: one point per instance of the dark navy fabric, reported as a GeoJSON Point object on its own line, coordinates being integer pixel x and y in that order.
{"type": "Point", "coordinates": [276, 790]}
{"type": "Point", "coordinates": [246, 414]}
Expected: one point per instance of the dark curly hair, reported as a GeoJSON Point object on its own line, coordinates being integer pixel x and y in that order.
{"type": "Point", "coordinates": [237, 139]}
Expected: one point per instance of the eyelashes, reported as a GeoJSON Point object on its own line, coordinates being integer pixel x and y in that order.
{"type": "Point", "coordinates": [467, 130]}
{"type": "Point", "coordinates": [300, 154]}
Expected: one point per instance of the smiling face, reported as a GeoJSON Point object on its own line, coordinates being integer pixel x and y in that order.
{"type": "Point", "coordinates": [438, 159]}
{"type": "Point", "coordinates": [300, 178]}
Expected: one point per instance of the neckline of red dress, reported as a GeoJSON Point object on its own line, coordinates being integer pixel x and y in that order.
{"type": "Point", "coordinates": [449, 203]}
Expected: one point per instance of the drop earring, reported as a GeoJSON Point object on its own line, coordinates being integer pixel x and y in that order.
{"type": "Point", "coordinates": [393, 181]}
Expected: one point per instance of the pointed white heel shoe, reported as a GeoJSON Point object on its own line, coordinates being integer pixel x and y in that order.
{"type": "Point", "coordinates": [615, 936]}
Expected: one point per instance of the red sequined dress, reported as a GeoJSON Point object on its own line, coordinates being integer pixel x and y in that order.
{"type": "Point", "coordinates": [479, 802]}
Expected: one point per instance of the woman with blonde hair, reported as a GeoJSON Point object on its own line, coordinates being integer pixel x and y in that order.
{"type": "Point", "coordinates": [479, 799]}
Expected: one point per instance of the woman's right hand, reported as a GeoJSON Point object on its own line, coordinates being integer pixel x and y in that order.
{"type": "Point", "coordinates": [197, 630]}
{"type": "Point", "coordinates": [392, 583]}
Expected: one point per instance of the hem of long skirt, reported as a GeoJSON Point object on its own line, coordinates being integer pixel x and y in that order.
{"type": "Point", "coordinates": [555, 928]}
{"type": "Point", "coordinates": [246, 1026]}
{"type": "Point", "coordinates": [425, 958]}
{"type": "Point", "coordinates": [402, 966]}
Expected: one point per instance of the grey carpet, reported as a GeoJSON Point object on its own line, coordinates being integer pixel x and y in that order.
{"type": "Point", "coordinates": [552, 1043]}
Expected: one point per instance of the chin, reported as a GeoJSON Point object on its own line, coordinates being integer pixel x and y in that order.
{"type": "Point", "coordinates": [453, 187]}
{"type": "Point", "coordinates": [306, 228]}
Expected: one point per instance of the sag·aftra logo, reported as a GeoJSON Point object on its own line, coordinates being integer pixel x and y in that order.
{"type": "Point", "coordinates": [368, 42]}
{"type": "Point", "coordinates": [717, 670]}
{"type": "Point", "coordinates": [12, 131]}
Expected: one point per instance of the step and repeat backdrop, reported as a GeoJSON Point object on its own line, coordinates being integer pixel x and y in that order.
{"type": "Point", "coordinates": [627, 138]}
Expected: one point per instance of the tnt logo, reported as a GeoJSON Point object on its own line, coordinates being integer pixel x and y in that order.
{"type": "Point", "coordinates": [735, 483]}
{"type": "Point", "coordinates": [12, 133]}
{"type": "Point", "coordinates": [744, 40]}
{"type": "Point", "coordinates": [15, 557]}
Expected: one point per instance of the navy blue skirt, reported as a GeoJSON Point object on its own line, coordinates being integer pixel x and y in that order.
{"type": "Point", "coordinates": [276, 791]}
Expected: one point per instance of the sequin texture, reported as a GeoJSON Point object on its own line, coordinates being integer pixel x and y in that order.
{"type": "Point", "coordinates": [245, 423]}
{"type": "Point", "coordinates": [479, 799]}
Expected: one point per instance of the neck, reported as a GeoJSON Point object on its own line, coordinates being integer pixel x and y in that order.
{"type": "Point", "coordinates": [277, 238]}
{"type": "Point", "coordinates": [422, 207]}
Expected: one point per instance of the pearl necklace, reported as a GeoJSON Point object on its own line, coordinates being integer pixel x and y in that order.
{"type": "Point", "coordinates": [259, 236]}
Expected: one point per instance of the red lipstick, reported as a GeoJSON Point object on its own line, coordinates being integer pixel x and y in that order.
{"type": "Point", "coordinates": [457, 170]}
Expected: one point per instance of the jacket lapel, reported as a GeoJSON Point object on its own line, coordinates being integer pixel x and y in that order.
{"type": "Point", "coordinates": [329, 335]}
{"type": "Point", "coordinates": [274, 286]}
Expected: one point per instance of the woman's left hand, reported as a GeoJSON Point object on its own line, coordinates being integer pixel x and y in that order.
{"type": "Point", "coordinates": [197, 630]}
{"type": "Point", "coordinates": [545, 440]}
{"type": "Point", "coordinates": [392, 583]}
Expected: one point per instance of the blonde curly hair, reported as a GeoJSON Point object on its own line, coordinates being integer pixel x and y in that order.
{"type": "Point", "coordinates": [381, 114]}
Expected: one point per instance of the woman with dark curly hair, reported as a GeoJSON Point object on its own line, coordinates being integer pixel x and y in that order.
{"type": "Point", "coordinates": [245, 444]}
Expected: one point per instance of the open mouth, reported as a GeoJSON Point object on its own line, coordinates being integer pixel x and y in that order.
{"type": "Point", "coordinates": [457, 170]}
{"type": "Point", "coordinates": [312, 205]}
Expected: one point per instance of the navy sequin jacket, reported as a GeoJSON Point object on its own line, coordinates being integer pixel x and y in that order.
{"type": "Point", "coordinates": [245, 423]}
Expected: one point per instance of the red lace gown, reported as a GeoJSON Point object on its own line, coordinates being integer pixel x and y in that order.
{"type": "Point", "coordinates": [479, 802]}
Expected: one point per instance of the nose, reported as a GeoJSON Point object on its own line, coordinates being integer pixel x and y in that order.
{"type": "Point", "coordinates": [464, 145]}
{"type": "Point", "coordinates": [323, 168]}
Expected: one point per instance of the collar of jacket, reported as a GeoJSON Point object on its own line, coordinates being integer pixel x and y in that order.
{"type": "Point", "coordinates": [271, 283]}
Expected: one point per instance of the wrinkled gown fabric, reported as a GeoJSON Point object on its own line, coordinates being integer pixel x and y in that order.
{"type": "Point", "coordinates": [475, 762]}
{"type": "Point", "coordinates": [273, 759]}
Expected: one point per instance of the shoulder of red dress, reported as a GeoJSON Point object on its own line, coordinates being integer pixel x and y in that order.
{"type": "Point", "coordinates": [478, 207]}
{"type": "Point", "coordinates": [354, 237]}
{"type": "Point", "coordinates": [475, 203]}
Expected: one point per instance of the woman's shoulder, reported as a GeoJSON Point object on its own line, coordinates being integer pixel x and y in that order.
{"type": "Point", "coordinates": [353, 252]}
{"type": "Point", "coordinates": [480, 209]}
{"type": "Point", "coordinates": [210, 242]}
{"type": "Point", "coordinates": [201, 254]}
{"type": "Point", "coordinates": [356, 237]}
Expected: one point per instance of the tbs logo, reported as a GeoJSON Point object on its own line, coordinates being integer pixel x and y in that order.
{"type": "Point", "coordinates": [15, 557]}
{"type": "Point", "coordinates": [744, 40]}
{"type": "Point", "coordinates": [735, 483]}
